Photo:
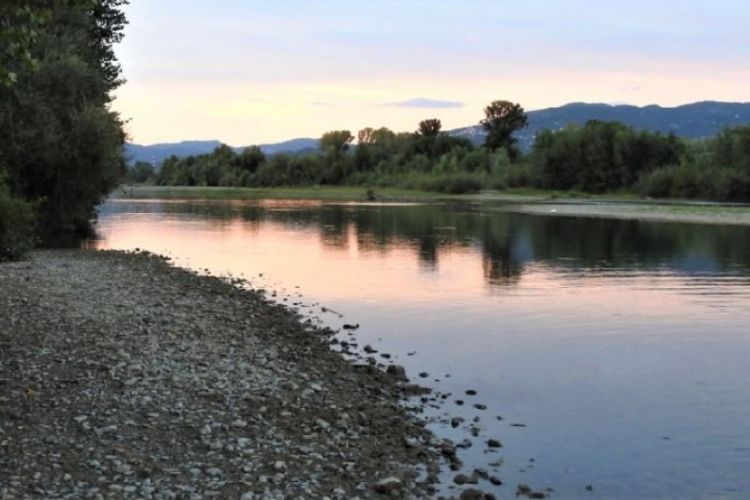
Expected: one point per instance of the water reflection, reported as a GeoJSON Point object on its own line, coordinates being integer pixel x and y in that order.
{"type": "Point", "coordinates": [508, 242]}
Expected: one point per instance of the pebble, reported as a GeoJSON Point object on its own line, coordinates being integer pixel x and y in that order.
{"type": "Point", "coordinates": [396, 371]}
{"type": "Point", "coordinates": [464, 479]}
{"type": "Point", "coordinates": [179, 386]}
{"type": "Point", "coordinates": [388, 485]}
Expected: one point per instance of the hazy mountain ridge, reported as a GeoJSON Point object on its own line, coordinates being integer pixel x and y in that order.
{"type": "Point", "coordinates": [692, 121]}
{"type": "Point", "coordinates": [157, 153]}
{"type": "Point", "coordinates": [697, 120]}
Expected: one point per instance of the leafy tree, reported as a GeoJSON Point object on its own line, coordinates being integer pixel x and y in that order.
{"type": "Point", "coordinates": [429, 128]}
{"type": "Point", "coordinates": [336, 141]}
{"type": "Point", "coordinates": [731, 148]}
{"type": "Point", "coordinates": [502, 119]}
{"type": "Point", "coordinates": [16, 224]}
{"type": "Point", "coordinates": [384, 137]}
{"type": "Point", "coordinates": [19, 25]}
{"type": "Point", "coordinates": [140, 172]}
{"type": "Point", "coordinates": [60, 142]}
{"type": "Point", "coordinates": [601, 156]}
{"type": "Point", "coordinates": [250, 159]}
{"type": "Point", "coordinates": [365, 136]}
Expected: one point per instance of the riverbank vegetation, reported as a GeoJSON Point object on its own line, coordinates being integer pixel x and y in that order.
{"type": "Point", "coordinates": [60, 143]}
{"type": "Point", "coordinates": [598, 157]}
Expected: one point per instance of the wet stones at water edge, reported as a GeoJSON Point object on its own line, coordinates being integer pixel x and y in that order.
{"type": "Point", "coordinates": [475, 494]}
{"type": "Point", "coordinates": [397, 372]}
{"type": "Point", "coordinates": [494, 443]}
{"type": "Point", "coordinates": [525, 490]}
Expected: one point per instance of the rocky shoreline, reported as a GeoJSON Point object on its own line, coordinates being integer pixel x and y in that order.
{"type": "Point", "coordinates": [122, 376]}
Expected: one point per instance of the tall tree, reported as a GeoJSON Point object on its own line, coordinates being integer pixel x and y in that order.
{"type": "Point", "coordinates": [19, 25]}
{"type": "Point", "coordinates": [365, 136]}
{"type": "Point", "coordinates": [59, 140]}
{"type": "Point", "coordinates": [336, 141]}
{"type": "Point", "coordinates": [429, 128]}
{"type": "Point", "coordinates": [502, 119]}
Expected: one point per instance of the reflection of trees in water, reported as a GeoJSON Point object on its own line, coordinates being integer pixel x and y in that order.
{"type": "Point", "coordinates": [428, 251]}
{"type": "Point", "coordinates": [333, 226]}
{"type": "Point", "coordinates": [500, 263]}
{"type": "Point", "coordinates": [508, 242]}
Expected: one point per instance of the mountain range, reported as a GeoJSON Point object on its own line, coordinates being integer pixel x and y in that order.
{"type": "Point", "coordinates": [157, 153]}
{"type": "Point", "coordinates": [693, 121]}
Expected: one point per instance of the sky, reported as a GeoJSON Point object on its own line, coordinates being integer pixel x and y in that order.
{"type": "Point", "coordinates": [258, 71]}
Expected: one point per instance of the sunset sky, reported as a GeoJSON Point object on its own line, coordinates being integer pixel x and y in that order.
{"type": "Point", "coordinates": [250, 72]}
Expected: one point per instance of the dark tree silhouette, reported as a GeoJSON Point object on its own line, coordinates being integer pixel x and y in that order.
{"type": "Point", "coordinates": [502, 118]}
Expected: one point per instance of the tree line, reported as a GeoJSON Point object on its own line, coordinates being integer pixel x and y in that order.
{"type": "Point", "coordinates": [427, 158]}
{"type": "Point", "coordinates": [598, 157]}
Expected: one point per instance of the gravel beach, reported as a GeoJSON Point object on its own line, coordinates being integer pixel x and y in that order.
{"type": "Point", "coordinates": [684, 212]}
{"type": "Point", "coordinates": [122, 376]}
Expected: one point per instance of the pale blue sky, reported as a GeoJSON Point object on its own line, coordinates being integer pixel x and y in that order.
{"type": "Point", "coordinates": [259, 71]}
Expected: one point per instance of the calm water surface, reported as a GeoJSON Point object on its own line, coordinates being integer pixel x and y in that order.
{"type": "Point", "coordinates": [622, 346]}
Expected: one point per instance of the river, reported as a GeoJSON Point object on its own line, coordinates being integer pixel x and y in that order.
{"type": "Point", "coordinates": [610, 354]}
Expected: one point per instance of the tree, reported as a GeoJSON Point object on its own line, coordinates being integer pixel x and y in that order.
{"type": "Point", "coordinates": [60, 142]}
{"type": "Point", "coordinates": [250, 159]}
{"type": "Point", "coordinates": [365, 136]}
{"type": "Point", "coordinates": [336, 141]}
{"type": "Point", "coordinates": [141, 172]}
{"type": "Point", "coordinates": [16, 224]}
{"type": "Point", "coordinates": [429, 128]}
{"type": "Point", "coordinates": [19, 25]}
{"type": "Point", "coordinates": [502, 119]}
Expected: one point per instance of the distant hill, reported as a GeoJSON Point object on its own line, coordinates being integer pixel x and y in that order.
{"type": "Point", "coordinates": [157, 153]}
{"type": "Point", "coordinates": [701, 119]}
{"type": "Point", "coordinates": [698, 120]}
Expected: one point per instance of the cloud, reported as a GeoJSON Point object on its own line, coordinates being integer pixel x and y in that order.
{"type": "Point", "coordinates": [421, 102]}
{"type": "Point", "coordinates": [321, 103]}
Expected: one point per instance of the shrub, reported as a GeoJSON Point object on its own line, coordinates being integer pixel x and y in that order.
{"type": "Point", "coordinates": [456, 184]}
{"type": "Point", "coordinates": [695, 182]}
{"type": "Point", "coordinates": [16, 226]}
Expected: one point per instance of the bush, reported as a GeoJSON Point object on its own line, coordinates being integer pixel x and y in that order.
{"type": "Point", "coordinates": [514, 175]}
{"type": "Point", "coordinates": [16, 226]}
{"type": "Point", "coordinates": [692, 181]}
{"type": "Point", "coordinates": [600, 156]}
{"type": "Point", "coordinates": [455, 184]}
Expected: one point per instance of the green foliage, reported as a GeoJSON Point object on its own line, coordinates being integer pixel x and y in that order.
{"type": "Point", "coordinates": [336, 141]}
{"type": "Point", "coordinates": [731, 149]}
{"type": "Point", "coordinates": [140, 173]}
{"type": "Point", "coordinates": [600, 157]}
{"type": "Point", "coordinates": [250, 159]}
{"type": "Point", "coordinates": [691, 181]}
{"type": "Point", "coordinates": [429, 128]}
{"type": "Point", "coordinates": [19, 25]}
{"type": "Point", "coordinates": [59, 140]}
{"type": "Point", "coordinates": [502, 119]}
{"type": "Point", "coordinates": [16, 225]}
{"type": "Point", "coordinates": [454, 184]}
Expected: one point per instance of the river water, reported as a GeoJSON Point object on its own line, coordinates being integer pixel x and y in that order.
{"type": "Point", "coordinates": [612, 354]}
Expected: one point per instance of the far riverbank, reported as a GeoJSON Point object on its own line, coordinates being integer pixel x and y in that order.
{"type": "Point", "coordinates": [521, 201]}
